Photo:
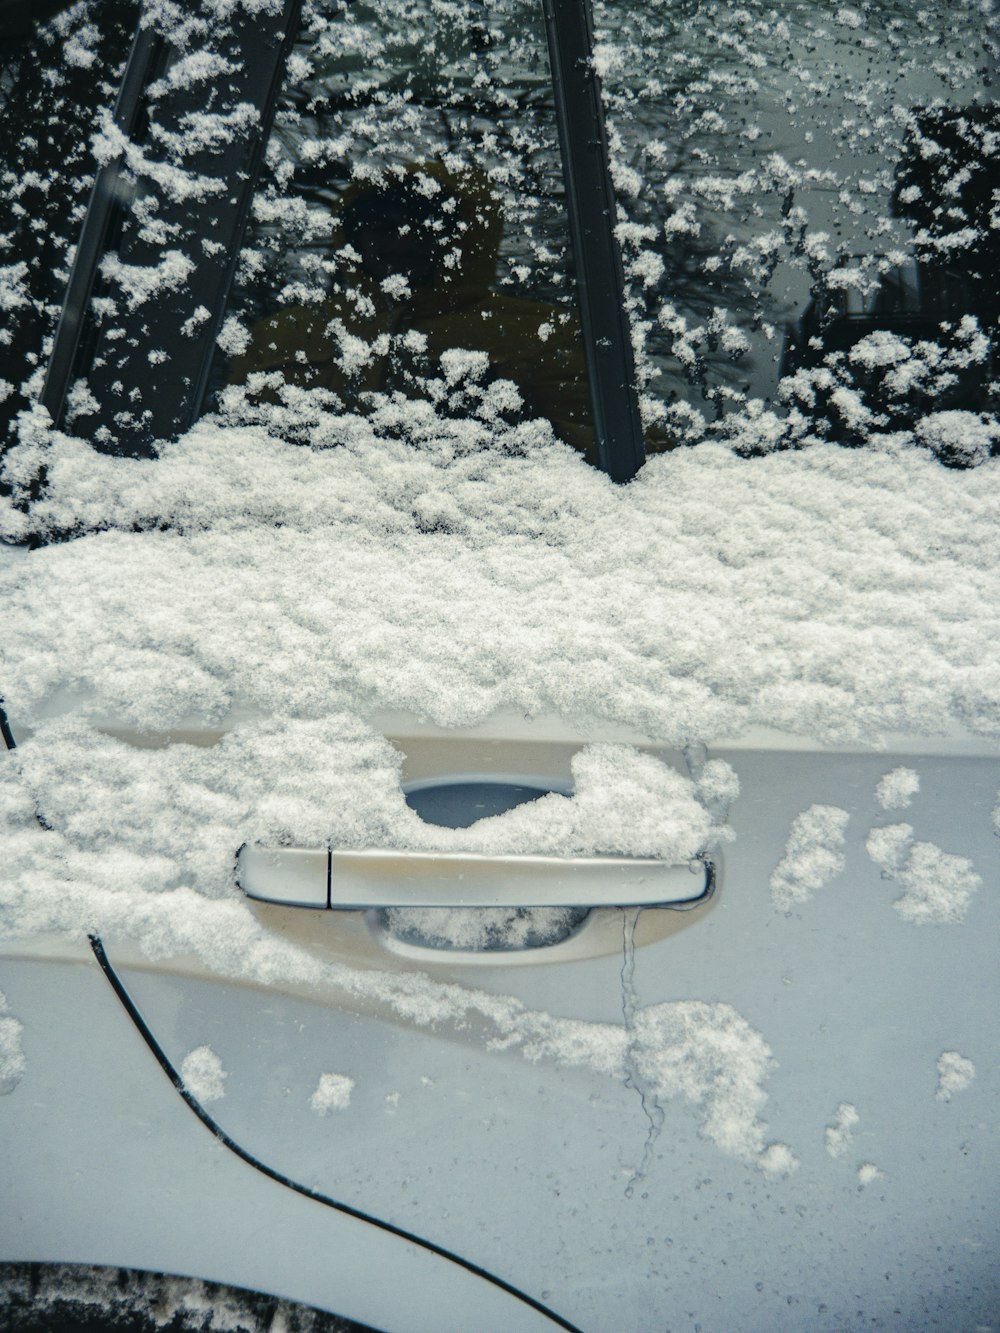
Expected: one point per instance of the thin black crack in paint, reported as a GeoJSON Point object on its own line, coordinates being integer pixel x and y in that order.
{"type": "Point", "coordinates": [652, 1109]}
{"type": "Point", "coordinates": [118, 986]}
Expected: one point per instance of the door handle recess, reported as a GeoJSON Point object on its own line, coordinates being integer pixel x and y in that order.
{"type": "Point", "coordinates": [345, 880]}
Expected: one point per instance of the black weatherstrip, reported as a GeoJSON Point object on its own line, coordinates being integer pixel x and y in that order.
{"type": "Point", "coordinates": [210, 1124]}
{"type": "Point", "coordinates": [5, 731]}
{"type": "Point", "coordinates": [62, 363]}
{"type": "Point", "coordinates": [590, 202]}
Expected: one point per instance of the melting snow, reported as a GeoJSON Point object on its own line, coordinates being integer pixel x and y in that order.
{"type": "Point", "coordinates": [897, 789]}
{"type": "Point", "coordinates": [840, 1134]}
{"type": "Point", "coordinates": [812, 857]}
{"type": "Point", "coordinates": [711, 1056]}
{"type": "Point", "coordinates": [937, 886]}
{"type": "Point", "coordinates": [955, 1073]}
{"type": "Point", "coordinates": [12, 1061]}
{"type": "Point", "coordinates": [333, 1093]}
{"type": "Point", "coordinates": [202, 1074]}
{"type": "Point", "coordinates": [867, 1174]}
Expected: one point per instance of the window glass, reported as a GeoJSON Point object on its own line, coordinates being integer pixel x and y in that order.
{"type": "Point", "coordinates": [55, 84]}
{"type": "Point", "coordinates": [409, 235]}
{"type": "Point", "coordinates": [808, 216]}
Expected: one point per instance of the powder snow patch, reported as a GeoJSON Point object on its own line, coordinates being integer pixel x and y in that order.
{"type": "Point", "coordinates": [813, 855]}
{"type": "Point", "coordinates": [937, 886]}
{"type": "Point", "coordinates": [896, 789]}
{"type": "Point", "coordinates": [840, 1134]}
{"type": "Point", "coordinates": [333, 1093]}
{"type": "Point", "coordinates": [955, 1074]}
{"type": "Point", "coordinates": [12, 1061]}
{"type": "Point", "coordinates": [712, 593]}
{"type": "Point", "coordinates": [202, 1074]}
{"type": "Point", "coordinates": [709, 1055]}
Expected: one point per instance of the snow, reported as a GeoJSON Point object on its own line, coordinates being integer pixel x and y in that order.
{"type": "Point", "coordinates": [203, 1076]}
{"type": "Point", "coordinates": [454, 569]}
{"type": "Point", "coordinates": [482, 927]}
{"type": "Point", "coordinates": [868, 1173]}
{"type": "Point", "coordinates": [709, 1054]}
{"type": "Point", "coordinates": [333, 1093]}
{"type": "Point", "coordinates": [12, 1060]}
{"type": "Point", "coordinates": [896, 789]}
{"type": "Point", "coordinates": [109, 865]}
{"type": "Point", "coordinates": [140, 282]}
{"type": "Point", "coordinates": [813, 855]}
{"type": "Point", "coordinates": [937, 886]}
{"type": "Point", "coordinates": [955, 1074]}
{"type": "Point", "coordinates": [840, 1135]}
{"type": "Point", "coordinates": [839, 594]}
{"type": "Point", "coordinates": [968, 436]}
{"type": "Point", "coordinates": [75, 1295]}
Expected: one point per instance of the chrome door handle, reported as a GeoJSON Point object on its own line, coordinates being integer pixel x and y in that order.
{"type": "Point", "coordinates": [369, 877]}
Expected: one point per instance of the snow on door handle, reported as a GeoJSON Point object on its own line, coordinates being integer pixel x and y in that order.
{"type": "Point", "coordinates": [346, 880]}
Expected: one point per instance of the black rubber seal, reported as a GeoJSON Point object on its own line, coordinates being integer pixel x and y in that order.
{"type": "Point", "coordinates": [118, 987]}
{"type": "Point", "coordinates": [5, 731]}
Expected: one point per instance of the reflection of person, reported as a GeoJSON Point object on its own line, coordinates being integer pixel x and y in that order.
{"type": "Point", "coordinates": [421, 255]}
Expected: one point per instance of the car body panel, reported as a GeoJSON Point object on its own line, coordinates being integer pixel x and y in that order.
{"type": "Point", "coordinates": [525, 1154]}
{"type": "Point", "coordinates": [768, 1110]}
{"type": "Point", "coordinates": [113, 1168]}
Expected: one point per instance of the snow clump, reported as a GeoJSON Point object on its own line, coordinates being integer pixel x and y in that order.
{"type": "Point", "coordinates": [710, 1055]}
{"type": "Point", "coordinates": [333, 1093]}
{"type": "Point", "coordinates": [840, 1134]}
{"type": "Point", "coordinates": [967, 438]}
{"type": "Point", "coordinates": [955, 1073]}
{"type": "Point", "coordinates": [895, 790]}
{"type": "Point", "coordinates": [813, 855]}
{"type": "Point", "coordinates": [202, 1074]}
{"type": "Point", "coordinates": [12, 1061]}
{"type": "Point", "coordinates": [937, 886]}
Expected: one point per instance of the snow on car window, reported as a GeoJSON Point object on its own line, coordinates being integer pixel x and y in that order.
{"type": "Point", "coordinates": [409, 235]}
{"type": "Point", "coordinates": [807, 215]}
{"type": "Point", "coordinates": [55, 85]}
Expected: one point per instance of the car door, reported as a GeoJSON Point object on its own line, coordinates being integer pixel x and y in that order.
{"type": "Point", "coordinates": [586, 887]}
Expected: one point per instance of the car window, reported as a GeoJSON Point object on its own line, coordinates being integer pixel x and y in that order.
{"type": "Point", "coordinates": [295, 219]}
{"type": "Point", "coordinates": [409, 234]}
{"type": "Point", "coordinates": [808, 213]}
{"type": "Point", "coordinates": [57, 81]}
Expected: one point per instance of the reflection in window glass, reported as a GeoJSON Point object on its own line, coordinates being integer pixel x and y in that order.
{"type": "Point", "coordinates": [409, 237]}
{"type": "Point", "coordinates": [809, 222]}
{"type": "Point", "coordinates": [56, 80]}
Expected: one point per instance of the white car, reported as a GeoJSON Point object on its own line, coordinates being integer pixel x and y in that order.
{"type": "Point", "coordinates": [500, 605]}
